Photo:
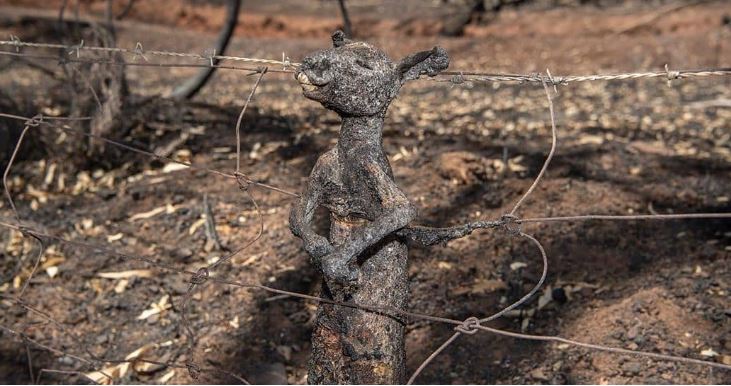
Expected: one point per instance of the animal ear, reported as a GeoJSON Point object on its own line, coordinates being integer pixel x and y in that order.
{"type": "Point", "coordinates": [338, 38]}
{"type": "Point", "coordinates": [429, 62]}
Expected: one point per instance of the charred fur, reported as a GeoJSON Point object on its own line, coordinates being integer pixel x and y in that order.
{"type": "Point", "coordinates": [364, 258]}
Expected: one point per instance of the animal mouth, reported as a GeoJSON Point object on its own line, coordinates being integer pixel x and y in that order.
{"type": "Point", "coordinates": [306, 83]}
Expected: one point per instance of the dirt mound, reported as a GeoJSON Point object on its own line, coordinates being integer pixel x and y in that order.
{"type": "Point", "coordinates": [649, 320]}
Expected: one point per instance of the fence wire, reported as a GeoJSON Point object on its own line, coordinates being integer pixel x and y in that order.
{"type": "Point", "coordinates": [72, 54]}
{"type": "Point", "coordinates": [510, 222]}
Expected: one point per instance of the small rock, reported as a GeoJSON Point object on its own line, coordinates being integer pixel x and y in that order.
{"type": "Point", "coordinates": [638, 307]}
{"type": "Point", "coordinates": [632, 333]}
{"type": "Point", "coordinates": [726, 359]}
{"type": "Point", "coordinates": [183, 253]}
{"type": "Point", "coordinates": [631, 368]}
{"type": "Point", "coordinates": [557, 366]}
{"type": "Point", "coordinates": [654, 381]}
{"type": "Point", "coordinates": [538, 375]}
{"type": "Point", "coordinates": [640, 339]}
{"type": "Point", "coordinates": [101, 339]}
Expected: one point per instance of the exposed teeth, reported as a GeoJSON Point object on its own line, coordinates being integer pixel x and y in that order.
{"type": "Point", "coordinates": [305, 82]}
{"type": "Point", "coordinates": [303, 79]}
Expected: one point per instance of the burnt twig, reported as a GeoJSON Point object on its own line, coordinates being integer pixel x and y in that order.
{"type": "Point", "coordinates": [210, 225]}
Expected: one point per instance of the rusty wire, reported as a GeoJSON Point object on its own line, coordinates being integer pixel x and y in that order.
{"type": "Point", "coordinates": [509, 222]}
{"type": "Point", "coordinates": [629, 217]}
{"type": "Point", "coordinates": [458, 77]}
{"type": "Point", "coordinates": [139, 51]}
{"type": "Point", "coordinates": [467, 326]}
{"type": "Point", "coordinates": [509, 218]}
{"type": "Point", "coordinates": [554, 143]}
{"type": "Point", "coordinates": [464, 326]}
{"type": "Point", "coordinates": [241, 117]}
{"type": "Point", "coordinates": [452, 76]}
{"type": "Point", "coordinates": [249, 70]}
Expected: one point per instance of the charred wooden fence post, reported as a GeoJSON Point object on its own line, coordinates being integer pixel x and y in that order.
{"type": "Point", "coordinates": [364, 258]}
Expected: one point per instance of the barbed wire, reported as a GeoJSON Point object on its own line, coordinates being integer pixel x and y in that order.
{"type": "Point", "coordinates": [61, 60]}
{"type": "Point", "coordinates": [510, 222]}
{"type": "Point", "coordinates": [287, 66]}
{"type": "Point", "coordinates": [139, 51]}
{"type": "Point", "coordinates": [458, 77]}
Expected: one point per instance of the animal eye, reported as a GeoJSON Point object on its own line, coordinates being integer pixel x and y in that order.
{"type": "Point", "coordinates": [363, 64]}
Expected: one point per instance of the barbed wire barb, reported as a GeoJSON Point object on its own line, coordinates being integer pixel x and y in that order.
{"type": "Point", "coordinates": [452, 76]}
{"type": "Point", "coordinates": [77, 48]}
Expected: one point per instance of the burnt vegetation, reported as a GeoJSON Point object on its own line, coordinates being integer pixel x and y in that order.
{"type": "Point", "coordinates": [312, 211]}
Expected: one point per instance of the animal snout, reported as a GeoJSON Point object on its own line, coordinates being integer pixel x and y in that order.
{"type": "Point", "coordinates": [316, 71]}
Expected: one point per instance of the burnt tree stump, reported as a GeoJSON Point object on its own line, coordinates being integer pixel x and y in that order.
{"type": "Point", "coordinates": [364, 257]}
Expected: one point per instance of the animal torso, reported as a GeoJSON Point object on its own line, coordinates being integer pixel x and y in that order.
{"type": "Point", "coordinates": [362, 260]}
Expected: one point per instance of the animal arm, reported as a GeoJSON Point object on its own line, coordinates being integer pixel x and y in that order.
{"type": "Point", "coordinates": [401, 214]}
{"type": "Point", "coordinates": [428, 236]}
{"type": "Point", "coordinates": [301, 217]}
{"type": "Point", "coordinates": [374, 232]}
{"type": "Point", "coordinates": [303, 212]}
{"type": "Point", "coordinates": [398, 212]}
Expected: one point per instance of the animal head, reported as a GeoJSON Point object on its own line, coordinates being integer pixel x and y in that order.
{"type": "Point", "coordinates": [356, 79]}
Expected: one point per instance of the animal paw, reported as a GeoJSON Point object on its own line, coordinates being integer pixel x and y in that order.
{"type": "Point", "coordinates": [317, 247]}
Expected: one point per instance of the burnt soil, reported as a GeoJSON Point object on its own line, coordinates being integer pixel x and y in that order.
{"type": "Point", "coordinates": [625, 147]}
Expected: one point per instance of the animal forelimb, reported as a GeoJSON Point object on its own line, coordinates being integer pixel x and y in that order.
{"type": "Point", "coordinates": [428, 236]}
